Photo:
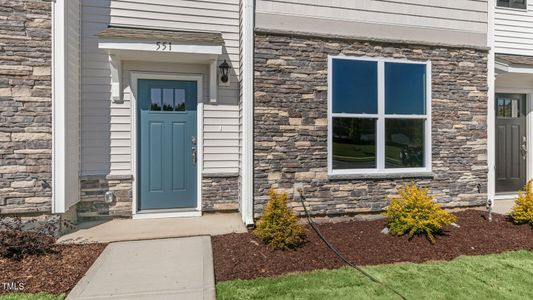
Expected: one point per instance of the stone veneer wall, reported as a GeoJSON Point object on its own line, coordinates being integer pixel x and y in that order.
{"type": "Point", "coordinates": [220, 193]}
{"type": "Point", "coordinates": [25, 106]}
{"type": "Point", "coordinates": [291, 123]}
{"type": "Point", "coordinates": [92, 200]}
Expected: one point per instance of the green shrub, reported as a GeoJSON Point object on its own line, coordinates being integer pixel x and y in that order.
{"type": "Point", "coordinates": [522, 212]}
{"type": "Point", "coordinates": [415, 212]}
{"type": "Point", "coordinates": [278, 226]}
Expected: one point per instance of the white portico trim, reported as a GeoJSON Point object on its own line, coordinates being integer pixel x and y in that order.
{"type": "Point", "coordinates": [159, 46]}
{"type": "Point", "coordinates": [140, 44]}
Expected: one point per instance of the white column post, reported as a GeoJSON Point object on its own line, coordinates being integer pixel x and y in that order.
{"type": "Point", "coordinates": [491, 118]}
{"type": "Point", "coordinates": [247, 166]}
{"type": "Point", "coordinates": [58, 106]}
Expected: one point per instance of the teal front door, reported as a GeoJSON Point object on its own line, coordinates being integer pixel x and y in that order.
{"type": "Point", "coordinates": [167, 144]}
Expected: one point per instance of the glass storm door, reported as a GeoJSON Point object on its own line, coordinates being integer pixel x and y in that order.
{"type": "Point", "coordinates": [167, 144]}
{"type": "Point", "coordinates": [511, 142]}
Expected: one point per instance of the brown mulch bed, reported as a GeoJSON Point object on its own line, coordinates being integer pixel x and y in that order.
{"type": "Point", "coordinates": [242, 256]}
{"type": "Point", "coordinates": [55, 273]}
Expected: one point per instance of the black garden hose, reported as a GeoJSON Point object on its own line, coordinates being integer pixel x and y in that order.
{"type": "Point", "coordinates": [337, 252]}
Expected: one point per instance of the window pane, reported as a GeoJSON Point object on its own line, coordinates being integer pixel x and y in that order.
{"type": "Point", "coordinates": [404, 143]}
{"type": "Point", "coordinates": [509, 108]}
{"type": "Point", "coordinates": [155, 99]}
{"type": "Point", "coordinates": [518, 4]}
{"type": "Point", "coordinates": [354, 143]}
{"type": "Point", "coordinates": [168, 99]}
{"type": "Point", "coordinates": [179, 100]}
{"type": "Point", "coordinates": [355, 88]}
{"type": "Point", "coordinates": [503, 3]}
{"type": "Point", "coordinates": [405, 89]}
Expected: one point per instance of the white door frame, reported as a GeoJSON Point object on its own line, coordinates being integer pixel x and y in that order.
{"type": "Point", "coordinates": [135, 76]}
{"type": "Point", "coordinates": [529, 135]}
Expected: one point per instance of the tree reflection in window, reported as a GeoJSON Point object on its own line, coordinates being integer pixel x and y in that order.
{"type": "Point", "coordinates": [179, 100]}
{"type": "Point", "coordinates": [155, 99]}
{"type": "Point", "coordinates": [168, 100]}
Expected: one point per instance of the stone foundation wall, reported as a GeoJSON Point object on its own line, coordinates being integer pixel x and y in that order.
{"type": "Point", "coordinates": [25, 107]}
{"type": "Point", "coordinates": [92, 199]}
{"type": "Point", "coordinates": [291, 123]}
{"type": "Point", "coordinates": [220, 193]}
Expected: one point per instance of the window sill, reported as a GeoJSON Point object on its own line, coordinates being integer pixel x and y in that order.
{"type": "Point", "coordinates": [525, 10]}
{"type": "Point", "coordinates": [413, 175]}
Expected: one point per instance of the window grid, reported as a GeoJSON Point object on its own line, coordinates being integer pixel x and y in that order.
{"type": "Point", "coordinates": [380, 120]}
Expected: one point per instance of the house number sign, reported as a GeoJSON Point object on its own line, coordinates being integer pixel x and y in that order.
{"type": "Point", "coordinates": [163, 46]}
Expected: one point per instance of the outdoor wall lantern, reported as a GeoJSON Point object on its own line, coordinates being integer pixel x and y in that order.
{"type": "Point", "coordinates": [224, 71]}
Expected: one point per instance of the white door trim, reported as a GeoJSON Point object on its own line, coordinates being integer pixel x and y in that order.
{"type": "Point", "coordinates": [529, 133]}
{"type": "Point", "coordinates": [135, 76]}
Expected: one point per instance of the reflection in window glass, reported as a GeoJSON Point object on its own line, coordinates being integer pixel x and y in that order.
{"type": "Point", "coordinates": [405, 89]}
{"type": "Point", "coordinates": [168, 99]}
{"type": "Point", "coordinates": [404, 143]}
{"type": "Point", "coordinates": [508, 108]}
{"type": "Point", "coordinates": [354, 143]}
{"type": "Point", "coordinates": [355, 87]}
{"type": "Point", "coordinates": [155, 99]}
{"type": "Point", "coordinates": [521, 4]}
{"type": "Point", "coordinates": [179, 100]}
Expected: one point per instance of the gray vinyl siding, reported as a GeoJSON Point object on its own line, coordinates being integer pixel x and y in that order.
{"type": "Point", "coordinates": [106, 126]}
{"type": "Point", "coordinates": [513, 30]}
{"type": "Point", "coordinates": [72, 107]}
{"type": "Point", "coordinates": [99, 114]}
{"type": "Point", "coordinates": [455, 21]}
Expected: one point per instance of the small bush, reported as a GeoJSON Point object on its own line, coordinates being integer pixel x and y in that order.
{"type": "Point", "coordinates": [17, 244]}
{"type": "Point", "coordinates": [522, 212]}
{"type": "Point", "coordinates": [20, 238]}
{"type": "Point", "coordinates": [415, 212]}
{"type": "Point", "coordinates": [278, 226]}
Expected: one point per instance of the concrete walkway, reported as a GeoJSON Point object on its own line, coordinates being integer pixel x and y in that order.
{"type": "Point", "coordinates": [503, 206]}
{"type": "Point", "coordinates": [177, 269]}
{"type": "Point", "coordinates": [129, 230]}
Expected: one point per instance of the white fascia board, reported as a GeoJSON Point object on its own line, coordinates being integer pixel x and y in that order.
{"type": "Point", "coordinates": [151, 46]}
{"type": "Point", "coordinates": [58, 106]}
{"type": "Point", "coordinates": [520, 70]}
{"type": "Point", "coordinates": [504, 67]}
{"type": "Point", "coordinates": [247, 171]}
{"type": "Point", "coordinates": [501, 66]}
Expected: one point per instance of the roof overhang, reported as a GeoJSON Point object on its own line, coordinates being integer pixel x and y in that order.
{"type": "Point", "coordinates": [513, 64]}
{"type": "Point", "coordinates": [160, 45]}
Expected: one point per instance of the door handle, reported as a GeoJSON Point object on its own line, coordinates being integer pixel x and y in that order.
{"type": "Point", "coordinates": [194, 155]}
{"type": "Point", "coordinates": [523, 148]}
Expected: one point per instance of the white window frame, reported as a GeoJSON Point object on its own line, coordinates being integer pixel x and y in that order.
{"type": "Point", "coordinates": [511, 7]}
{"type": "Point", "coordinates": [381, 116]}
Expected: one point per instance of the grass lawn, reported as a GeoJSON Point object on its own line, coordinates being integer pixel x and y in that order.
{"type": "Point", "coordinates": [500, 276]}
{"type": "Point", "coordinates": [22, 296]}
